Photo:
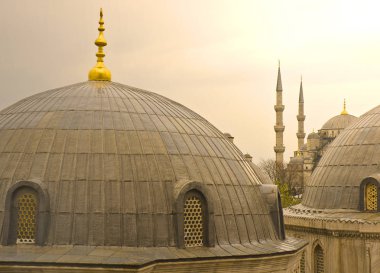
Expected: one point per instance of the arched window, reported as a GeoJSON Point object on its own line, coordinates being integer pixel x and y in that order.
{"type": "Point", "coordinates": [371, 197]}
{"type": "Point", "coordinates": [26, 208]}
{"type": "Point", "coordinates": [194, 214]}
{"type": "Point", "coordinates": [194, 219]}
{"type": "Point", "coordinates": [319, 263]}
{"type": "Point", "coordinates": [26, 214]}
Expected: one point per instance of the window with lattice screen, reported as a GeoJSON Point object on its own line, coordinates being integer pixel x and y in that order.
{"type": "Point", "coordinates": [371, 197]}
{"type": "Point", "coordinates": [319, 263]}
{"type": "Point", "coordinates": [302, 263]}
{"type": "Point", "coordinates": [193, 221]}
{"type": "Point", "coordinates": [26, 205]}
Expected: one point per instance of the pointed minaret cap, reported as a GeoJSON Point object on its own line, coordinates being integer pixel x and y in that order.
{"type": "Point", "coordinates": [99, 72]}
{"type": "Point", "coordinates": [300, 98]}
{"type": "Point", "coordinates": [279, 83]}
{"type": "Point", "coordinates": [344, 111]}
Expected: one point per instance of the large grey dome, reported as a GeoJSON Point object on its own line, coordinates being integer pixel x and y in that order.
{"type": "Point", "coordinates": [112, 159]}
{"type": "Point", "coordinates": [353, 156]}
{"type": "Point", "coordinates": [339, 122]}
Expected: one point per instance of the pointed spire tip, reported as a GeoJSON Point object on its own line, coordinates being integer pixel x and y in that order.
{"type": "Point", "coordinates": [100, 72]}
{"type": "Point", "coordinates": [344, 111]}
{"type": "Point", "coordinates": [300, 97]}
{"type": "Point", "coordinates": [279, 82]}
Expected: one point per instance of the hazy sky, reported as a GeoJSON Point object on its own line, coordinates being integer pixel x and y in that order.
{"type": "Point", "coordinates": [217, 57]}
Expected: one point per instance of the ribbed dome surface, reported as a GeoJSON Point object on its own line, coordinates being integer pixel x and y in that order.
{"type": "Point", "coordinates": [313, 135]}
{"type": "Point", "coordinates": [111, 157]}
{"type": "Point", "coordinates": [338, 122]}
{"type": "Point", "coordinates": [351, 157]}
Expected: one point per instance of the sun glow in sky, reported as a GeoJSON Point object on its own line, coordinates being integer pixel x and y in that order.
{"type": "Point", "coordinates": [217, 57]}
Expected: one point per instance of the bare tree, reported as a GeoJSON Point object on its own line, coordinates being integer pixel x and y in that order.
{"type": "Point", "coordinates": [276, 172]}
{"type": "Point", "coordinates": [286, 177]}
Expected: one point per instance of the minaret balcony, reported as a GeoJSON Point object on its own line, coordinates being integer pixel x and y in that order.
{"type": "Point", "coordinates": [279, 149]}
{"type": "Point", "coordinates": [279, 128]}
{"type": "Point", "coordinates": [301, 117]}
{"type": "Point", "coordinates": [301, 135]}
{"type": "Point", "coordinates": [279, 108]}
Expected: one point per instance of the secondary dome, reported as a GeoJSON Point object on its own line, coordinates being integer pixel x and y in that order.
{"type": "Point", "coordinates": [313, 135]}
{"type": "Point", "coordinates": [339, 122]}
{"type": "Point", "coordinates": [115, 161]}
{"type": "Point", "coordinates": [351, 158]}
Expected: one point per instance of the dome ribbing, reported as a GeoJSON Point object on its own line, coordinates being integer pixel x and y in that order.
{"type": "Point", "coordinates": [112, 157]}
{"type": "Point", "coordinates": [350, 158]}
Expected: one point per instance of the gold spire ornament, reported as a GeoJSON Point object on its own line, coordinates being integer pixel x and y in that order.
{"type": "Point", "coordinates": [344, 112]}
{"type": "Point", "coordinates": [99, 72]}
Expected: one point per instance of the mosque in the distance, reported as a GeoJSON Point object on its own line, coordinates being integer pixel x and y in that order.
{"type": "Point", "coordinates": [339, 168]}
{"type": "Point", "coordinates": [339, 213]}
{"type": "Point", "coordinates": [308, 154]}
{"type": "Point", "coordinates": [103, 177]}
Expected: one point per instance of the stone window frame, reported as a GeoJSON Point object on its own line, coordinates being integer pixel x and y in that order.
{"type": "Point", "coordinates": [363, 186]}
{"type": "Point", "coordinates": [315, 245]}
{"type": "Point", "coordinates": [9, 234]}
{"type": "Point", "coordinates": [182, 190]}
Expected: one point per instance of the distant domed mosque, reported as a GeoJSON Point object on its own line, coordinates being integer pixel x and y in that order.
{"type": "Point", "coordinates": [339, 214]}
{"type": "Point", "coordinates": [103, 177]}
{"type": "Point", "coordinates": [339, 168]}
{"type": "Point", "coordinates": [308, 154]}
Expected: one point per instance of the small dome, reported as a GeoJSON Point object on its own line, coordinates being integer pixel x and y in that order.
{"type": "Point", "coordinates": [339, 122]}
{"type": "Point", "coordinates": [313, 135]}
{"type": "Point", "coordinates": [348, 160]}
{"type": "Point", "coordinates": [112, 159]}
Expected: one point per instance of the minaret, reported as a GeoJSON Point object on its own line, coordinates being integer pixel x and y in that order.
{"type": "Point", "coordinates": [301, 119]}
{"type": "Point", "coordinates": [279, 127]}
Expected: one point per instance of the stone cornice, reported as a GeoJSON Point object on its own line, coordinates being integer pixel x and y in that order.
{"type": "Point", "coordinates": [330, 216]}
{"type": "Point", "coordinates": [335, 223]}
{"type": "Point", "coordinates": [334, 233]}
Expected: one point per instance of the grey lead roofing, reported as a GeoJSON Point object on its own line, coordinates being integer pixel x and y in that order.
{"type": "Point", "coordinates": [350, 158]}
{"type": "Point", "coordinates": [111, 155]}
{"type": "Point", "coordinates": [338, 122]}
{"type": "Point", "coordinates": [139, 256]}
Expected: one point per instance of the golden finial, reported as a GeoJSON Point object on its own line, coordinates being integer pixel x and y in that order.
{"type": "Point", "coordinates": [99, 72]}
{"type": "Point", "coordinates": [344, 112]}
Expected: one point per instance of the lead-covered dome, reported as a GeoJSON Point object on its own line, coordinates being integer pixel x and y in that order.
{"type": "Point", "coordinates": [313, 135]}
{"type": "Point", "coordinates": [349, 160]}
{"type": "Point", "coordinates": [114, 160]}
{"type": "Point", "coordinates": [339, 122]}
